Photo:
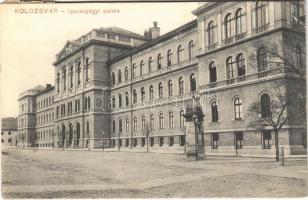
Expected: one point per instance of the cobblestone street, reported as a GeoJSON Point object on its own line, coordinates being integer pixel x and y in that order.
{"type": "Point", "coordinates": [30, 173]}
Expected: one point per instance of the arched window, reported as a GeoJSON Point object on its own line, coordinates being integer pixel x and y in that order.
{"type": "Point", "coordinates": [182, 119]}
{"type": "Point", "coordinates": [64, 78]}
{"type": "Point", "coordinates": [119, 76]}
{"type": "Point", "coordinates": [229, 63]}
{"type": "Point", "coordinates": [159, 61]}
{"type": "Point", "coordinates": [113, 78]}
{"type": "Point", "coordinates": [193, 83]}
{"type": "Point", "coordinates": [142, 94]}
{"type": "Point", "coordinates": [89, 103]}
{"type": "Point", "coordinates": [161, 120]}
{"type": "Point", "coordinates": [120, 100]}
{"type": "Point", "coordinates": [169, 54]}
{"type": "Point", "coordinates": [211, 33]}
{"type": "Point", "coordinates": [298, 12]}
{"type": "Point", "coordinates": [78, 69]}
{"type": "Point", "coordinates": [87, 68]}
{"type": "Point", "coordinates": [126, 99]}
{"type": "Point", "coordinates": [181, 85]}
{"type": "Point", "coordinates": [134, 70]}
{"type": "Point", "coordinates": [113, 126]}
{"type": "Point", "coordinates": [213, 74]}
{"type": "Point", "coordinates": [113, 102]}
{"type": "Point", "coordinates": [120, 125]}
{"type": "Point", "coordinates": [239, 22]}
{"type": "Point", "coordinates": [160, 90]}
{"type": "Point", "coordinates": [240, 63]}
{"type": "Point", "coordinates": [228, 25]}
{"type": "Point", "coordinates": [85, 105]}
{"type": "Point", "coordinates": [126, 73]}
{"type": "Point", "coordinates": [152, 122]}
{"type": "Point", "coordinates": [180, 53]}
{"type": "Point", "coordinates": [265, 105]}
{"type": "Point", "coordinates": [298, 57]}
{"type": "Point", "coordinates": [143, 122]}
{"type": "Point", "coordinates": [260, 14]}
{"type": "Point", "coordinates": [135, 124]}
{"type": "Point", "coordinates": [127, 125]}
{"type": "Point", "coordinates": [238, 108]}
{"type": "Point", "coordinates": [151, 91]}
{"type": "Point", "coordinates": [171, 125]}
{"type": "Point", "coordinates": [134, 96]}
{"type": "Point", "coordinates": [58, 82]}
{"type": "Point", "coordinates": [71, 76]}
{"type": "Point", "coordinates": [150, 64]}
{"type": "Point", "coordinates": [262, 59]}
{"type": "Point", "coordinates": [191, 52]}
{"type": "Point", "coordinates": [170, 88]}
{"type": "Point", "coordinates": [141, 67]}
{"type": "Point", "coordinates": [214, 111]}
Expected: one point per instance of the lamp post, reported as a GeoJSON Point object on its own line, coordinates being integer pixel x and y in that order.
{"type": "Point", "coordinates": [194, 117]}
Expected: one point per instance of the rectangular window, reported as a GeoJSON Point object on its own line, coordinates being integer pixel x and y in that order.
{"type": "Point", "coordinates": [182, 140]}
{"type": "Point", "coordinates": [238, 140]}
{"type": "Point", "coordinates": [151, 141]}
{"type": "Point", "coordinates": [161, 141]}
{"type": "Point", "coordinates": [267, 139]}
{"type": "Point", "coordinates": [215, 140]}
{"type": "Point", "coordinates": [134, 142]}
{"type": "Point", "coordinates": [171, 141]}
{"type": "Point", "coordinates": [126, 142]}
{"type": "Point", "coordinates": [142, 142]}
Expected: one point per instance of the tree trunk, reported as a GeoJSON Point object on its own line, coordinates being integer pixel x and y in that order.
{"type": "Point", "coordinates": [277, 145]}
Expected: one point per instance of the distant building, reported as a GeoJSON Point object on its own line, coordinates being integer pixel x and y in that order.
{"type": "Point", "coordinates": [120, 90]}
{"type": "Point", "coordinates": [8, 131]}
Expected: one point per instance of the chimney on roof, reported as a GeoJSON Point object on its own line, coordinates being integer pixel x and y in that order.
{"type": "Point", "coordinates": [48, 86]}
{"type": "Point", "coordinates": [155, 31]}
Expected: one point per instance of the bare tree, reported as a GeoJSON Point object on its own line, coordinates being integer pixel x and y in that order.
{"type": "Point", "coordinates": [290, 61]}
{"type": "Point", "coordinates": [272, 116]}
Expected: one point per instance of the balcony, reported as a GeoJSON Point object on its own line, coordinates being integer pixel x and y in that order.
{"type": "Point", "coordinates": [228, 40]}
{"type": "Point", "coordinates": [211, 47]}
{"type": "Point", "coordinates": [240, 36]}
{"type": "Point", "coordinates": [261, 28]}
{"type": "Point", "coordinates": [240, 79]}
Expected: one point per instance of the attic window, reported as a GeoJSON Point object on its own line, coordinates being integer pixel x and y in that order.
{"type": "Point", "coordinates": [124, 38]}
{"type": "Point", "coordinates": [100, 35]}
{"type": "Point", "coordinates": [111, 36]}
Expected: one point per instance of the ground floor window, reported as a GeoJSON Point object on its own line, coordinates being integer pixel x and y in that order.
{"type": "Point", "coordinates": [126, 143]}
{"type": "Point", "coordinates": [182, 140]}
{"type": "Point", "coordinates": [304, 139]}
{"type": "Point", "coordinates": [112, 143]}
{"type": "Point", "coordinates": [161, 141]}
{"type": "Point", "coordinates": [238, 140]}
{"type": "Point", "coordinates": [142, 142]}
{"type": "Point", "coordinates": [215, 140]}
{"type": "Point", "coordinates": [267, 139]}
{"type": "Point", "coordinates": [134, 142]}
{"type": "Point", "coordinates": [120, 143]}
{"type": "Point", "coordinates": [171, 141]}
{"type": "Point", "coordinates": [151, 141]}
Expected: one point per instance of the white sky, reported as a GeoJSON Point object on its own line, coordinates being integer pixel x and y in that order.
{"type": "Point", "coordinates": [29, 42]}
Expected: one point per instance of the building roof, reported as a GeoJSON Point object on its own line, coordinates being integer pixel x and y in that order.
{"type": "Point", "coordinates": [9, 123]}
{"type": "Point", "coordinates": [179, 30]}
{"type": "Point", "coordinates": [38, 90]}
{"type": "Point", "coordinates": [114, 29]}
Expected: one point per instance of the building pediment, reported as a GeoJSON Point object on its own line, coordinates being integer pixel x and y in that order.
{"type": "Point", "coordinates": [68, 48]}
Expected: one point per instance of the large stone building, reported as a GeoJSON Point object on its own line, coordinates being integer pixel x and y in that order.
{"type": "Point", "coordinates": [8, 131]}
{"type": "Point", "coordinates": [120, 90]}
